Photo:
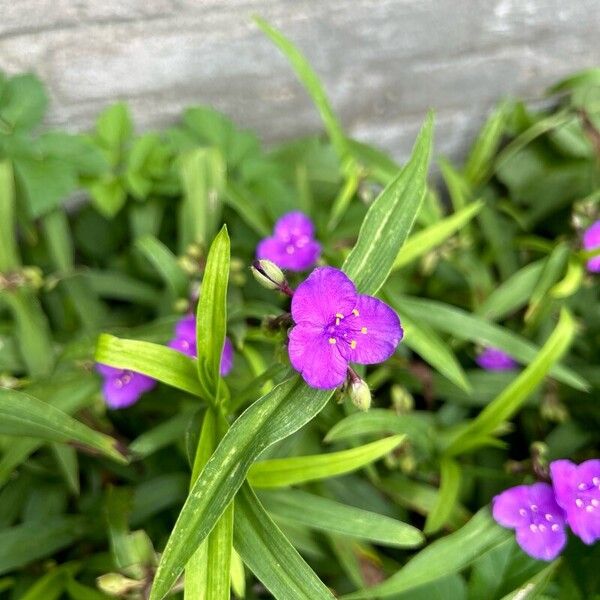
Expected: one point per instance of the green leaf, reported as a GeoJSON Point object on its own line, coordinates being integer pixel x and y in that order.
{"type": "Point", "coordinates": [238, 198]}
{"type": "Point", "coordinates": [417, 427]}
{"type": "Point", "coordinates": [159, 362]}
{"type": "Point", "coordinates": [331, 516]}
{"type": "Point", "coordinates": [109, 196]}
{"type": "Point", "coordinates": [450, 480]}
{"type": "Point", "coordinates": [448, 555]}
{"type": "Point", "coordinates": [23, 102]}
{"type": "Point", "coordinates": [534, 587]}
{"type": "Point", "coordinates": [313, 86]}
{"type": "Point", "coordinates": [425, 240]}
{"type": "Point", "coordinates": [163, 435]}
{"type": "Point", "coordinates": [24, 415]}
{"type": "Point", "coordinates": [480, 163]}
{"type": "Point", "coordinates": [390, 218]}
{"type": "Point", "coordinates": [68, 395]}
{"type": "Point", "coordinates": [118, 286]}
{"type": "Point", "coordinates": [281, 472]}
{"type": "Point", "coordinates": [51, 585]}
{"type": "Point", "coordinates": [165, 262]}
{"type": "Point", "coordinates": [28, 542]}
{"type": "Point", "coordinates": [77, 591]}
{"type": "Point", "coordinates": [114, 127]}
{"type": "Point", "coordinates": [202, 173]}
{"type": "Point", "coordinates": [44, 182]}
{"type": "Point", "coordinates": [512, 398]}
{"type": "Point", "coordinates": [31, 330]}
{"type": "Point", "coordinates": [464, 326]}
{"type": "Point", "coordinates": [423, 340]}
{"type": "Point", "coordinates": [9, 256]}
{"type": "Point", "coordinates": [211, 315]}
{"type": "Point", "coordinates": [66, 459]}
{"type": "Point", "coordinates": [513, 293]}
{"type": "Point", "coordinates": [269, 554]}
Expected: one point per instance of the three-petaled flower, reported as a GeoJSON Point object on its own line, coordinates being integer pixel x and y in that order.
{"type": "Point", "coordinates": [493, 359]}
{"type": "Point", "coordinates": [292, 245]}
{"type": "Point", "coordinates": [533, 513]}
{"type": "Point", "coordinates": [334, 325]}
{"type": "Point", "coordinates": [122, 387]}
{"type": "Point", "coordinates": [591, 241]}
{"type": "Point", "coordinates": [577, 491]}
{"type": "Point", "coordinates": [185, 342]}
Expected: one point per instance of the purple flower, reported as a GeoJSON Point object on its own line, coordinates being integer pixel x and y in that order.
{"type": "Point", "coordinates": [532, 512]}
{"type": "Point", "coordinates": [122, 387]}
{"type": "Point", "coordinates": [577, 491]}
{"type": "Point", "coordinates": [185, 342]}
{"type": "Point", "coordinates": [492, 359]}
{"type": "Point", "coordinates": [293, 245]}
{"type": "Point", "coordinates": [334, 325]}
{"type": "Point", "coordinates": [591, 241]}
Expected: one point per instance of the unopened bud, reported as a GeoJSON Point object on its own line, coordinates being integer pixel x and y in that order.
{"type": "Point", "coordinates": [360, 394]}
{"type": "Point", "coordinates": [33, 276]}
{"type": "Point", "coordinates": [268, 274]}
{"type": "Point", "coordinates": [402, 399]}
{"type": "Point", "coordinates": [116, 584]}
{"type": "Point", "coordinates": [181, 305]}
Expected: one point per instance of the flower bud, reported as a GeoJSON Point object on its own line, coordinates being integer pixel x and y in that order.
{"type": "Point", "coordinates": [268, 274]}
{"type": "Point", "coordinates": [116, 584]}
{"type": "Point", "coordinates": [360, 394]}
{"type": "Point", "coordinates": [402, 399]}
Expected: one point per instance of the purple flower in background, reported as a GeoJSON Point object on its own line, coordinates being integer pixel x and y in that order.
{"type": "Point", "coordinates": [577, 491]}
{"type": "Point", "coordinates": [334, 325]}
{"type": "Point", "coordinates": [292, 245]}
{"type": "Point", "coordinates": [591, 241]}
{"type": "Point", "coordinates": [492, 359]}
{"type": "Point", "coordinates": [533, 513]}
{"type": "Point", "coordinates": [122, 387]}
{"type": "Point", "coordinates": [185, 342]}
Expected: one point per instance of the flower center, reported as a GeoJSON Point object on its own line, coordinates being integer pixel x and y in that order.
{"type": "Point", "coordinates": [123, 379]}
{"type": "Point", "coordinates": [538, 521]}
{"type": "Point", "coordinates": [346, 329]}
{"type": "Point", "coordinates": [587, 497]}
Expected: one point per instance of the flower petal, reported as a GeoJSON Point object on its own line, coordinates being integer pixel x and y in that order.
{"type": "Point", "coordinates": [563, 473]}
{"type": "Point", "coordinates": [324, 293]}
{"type": "Point", "coordinates": [493, 359]}
{"type": "Point", "coordinates": [543, 544]}
{"type": "Point", "coordinates": [186, 327]}
{"type": "Point", "coordinates": [319, 362]}
{"type": "Point", "coordinates": [184, 345]}
{"type": "Point", "coordinates": [107, 371]}
{"type": "Point", "coordinates": [375, 332]}
{"type": "Point", "coordinates": [511, 507]}
{"type": "Point", "coordinates": [272, 249]}
{"type": "Point", "coordinates": [226, 357]}
{"type": "Point", "coordinates": [118, 394]}
{"type": "Point", "coordinates": [294, 224]}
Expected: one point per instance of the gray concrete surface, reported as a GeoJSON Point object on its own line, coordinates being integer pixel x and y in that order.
{"type": "Point", "coordinates": [383, 62]}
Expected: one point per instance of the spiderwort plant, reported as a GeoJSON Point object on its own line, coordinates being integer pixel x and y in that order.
{"type": "Point", "coordinates": [334, 325]}
{"type": "Point", "coordinates": [292, 245]}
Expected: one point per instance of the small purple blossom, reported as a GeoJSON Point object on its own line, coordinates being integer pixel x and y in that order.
{"type": "Point", "coordinates": [577, 491]}
{"type": "Point", "coordinates": [185, 342]}
{"type": "Point", "coordinates": [122, 387]}
{"type": "Point", "coordinates": [492, 359]}
{"type": "Point", "coordinates": [292, 245]}
{"type": "Point", "coordinates": [591, 241]}
{"type": "Point", "coordinates": [334, 325]}
{"type": "Point", "coordinates": [533, 513]}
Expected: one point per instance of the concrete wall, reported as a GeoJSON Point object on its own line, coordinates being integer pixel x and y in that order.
{"type": "Point", "coordinates": [383, 62]}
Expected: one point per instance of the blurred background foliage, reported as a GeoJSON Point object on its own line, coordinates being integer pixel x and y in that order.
{"type": "Point", "coordinates": [109, 232]}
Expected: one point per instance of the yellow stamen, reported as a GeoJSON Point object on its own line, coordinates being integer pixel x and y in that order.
{"type": "Point", "coordinates": [337, 321]}
{"type": "Point", "coordinates": [332, 340]}
{"type": "Point", "coordinates": [355, 312]}
{"type": "Point", "coordinates": [363, 330]}
{"type": "Point", "coordinates": [339, 315]}
{"type": "Point", "coordinates": [353, 344]}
